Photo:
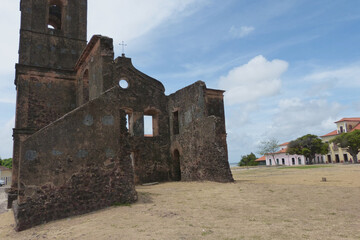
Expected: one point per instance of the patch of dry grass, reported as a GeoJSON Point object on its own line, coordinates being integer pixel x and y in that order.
{"type": "Point", "coordinates": [263, 203]}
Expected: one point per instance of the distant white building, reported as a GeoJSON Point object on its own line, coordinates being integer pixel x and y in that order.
{"type": "Point", "coordinates": [286, 159]}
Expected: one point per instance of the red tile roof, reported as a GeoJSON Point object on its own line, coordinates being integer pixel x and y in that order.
{"type": "Point", "coordinates": [349, 120]}
{"type": "Point", "coordinates": [282, 150]}
{"type": "Point", "coordinates": [333, 133]}
{"type": "Point", "coordinates": [263, 158]}
{"type": "Point", "coordinates": [357, 127]}
{"type": "Point", "coordinates": [284, 144]}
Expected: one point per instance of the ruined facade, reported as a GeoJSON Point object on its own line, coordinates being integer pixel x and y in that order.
{"type": "Point", "coordinates": [79, 141]}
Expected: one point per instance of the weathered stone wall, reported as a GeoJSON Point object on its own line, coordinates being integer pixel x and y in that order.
{"type": "Point", "coordinates": [78, 164]}
{"type": "Point", "coordinates": [145, 95]}
{"type": "Point", "coordinates": [201, 140]}
{"type": "Point", "coordinates": [43, 96]}
{"type": "Point", "coordinates": [53, 48]}
{"type": "Point", "coordinates": [190, 103]}
{"type": "Point", "coordinates": [45, 76]}
{"type": "Point", "coordinates": [203, 152]}
{"type": "Point", "coordinates": [95, 69]}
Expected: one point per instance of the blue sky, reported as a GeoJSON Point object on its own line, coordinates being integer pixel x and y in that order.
{"type": "Point", "coordinates": [289, 67]}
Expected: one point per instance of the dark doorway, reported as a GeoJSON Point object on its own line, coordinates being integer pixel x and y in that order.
{"type": "Point", "coordinates": [346, 158]}
{"type": "Point", "coordinates": [329, 158]}
{"type": "Point", "coordinates": [337, 159]}
{"type": "Point", "coordinates": [176, 166]}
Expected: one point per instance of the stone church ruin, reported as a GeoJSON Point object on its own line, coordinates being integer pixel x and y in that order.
{"type": "Point", "coordinates": [79, 142]}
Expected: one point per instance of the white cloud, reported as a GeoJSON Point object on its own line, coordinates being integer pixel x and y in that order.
{"type": "Point", "coordinates": [348, 76]}
{"type": "Point", "coordinates": [296, 117]}
{"type": "Point", "coordinates": [257, 79]}
{"type": "Point", "coordinates": [241, 32]}
{"type": "Point", "coordinates": [128, 19]}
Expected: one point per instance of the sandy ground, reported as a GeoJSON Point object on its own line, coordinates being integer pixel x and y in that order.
{"type": "Point", "coordinates": [263, 203]}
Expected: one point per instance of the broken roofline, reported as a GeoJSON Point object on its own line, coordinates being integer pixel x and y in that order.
{"type": "Point", "coordinates": [94, 40]}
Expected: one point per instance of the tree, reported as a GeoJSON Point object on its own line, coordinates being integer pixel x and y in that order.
{"type": "Point", "coordinates": [350, 141]}
{"type": "Point", "coordinates": [269, 147]}
{"type": "Point", "coordinates": [248, 160]}
{"type": "Point", "coordinates": [308, 145]}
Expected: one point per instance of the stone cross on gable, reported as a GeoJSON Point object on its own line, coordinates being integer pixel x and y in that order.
{"type": "Point", "coordinates": [123, 45]}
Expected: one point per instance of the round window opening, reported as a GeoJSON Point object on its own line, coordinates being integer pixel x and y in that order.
{"type": "Point", "coordinates": [123, 83]}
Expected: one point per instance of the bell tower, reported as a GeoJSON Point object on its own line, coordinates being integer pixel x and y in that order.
{"type": "Point", "coordinates": [52, 32]}
{"type": "Point", "coordinates": [52, 38]}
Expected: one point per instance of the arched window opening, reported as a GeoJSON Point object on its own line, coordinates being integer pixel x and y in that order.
{"type": "Point", "coordinates": [176, 166]}
{"type": "Point", "coordinates": [86, 86]}
{"type": "Point", "coordinates": [55, 15]}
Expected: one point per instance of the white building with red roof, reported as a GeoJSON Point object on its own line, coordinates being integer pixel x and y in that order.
{"type": "Point", "coordinates": [283, 158]}
{"type": "Point", "coordinates": [336, 154]}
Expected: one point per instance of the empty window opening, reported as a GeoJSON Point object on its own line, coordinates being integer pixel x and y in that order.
{"type": "Point", "coordinates": [176, 122]}
{"type": "Point", "coordinates": [176, 166]}
{"type": "Point", "coordinates": [55, 16]}
{"type": "Point", "coordinates": [128, 122]}
{"type": "Point", "coordinates": [148, 126]}
{"type": "Point", "coordinates": [151, 125]}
